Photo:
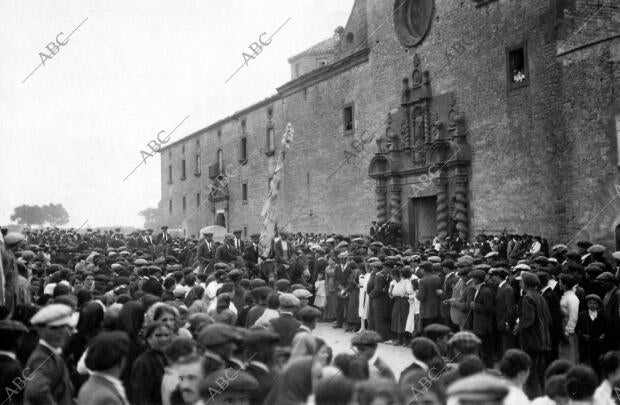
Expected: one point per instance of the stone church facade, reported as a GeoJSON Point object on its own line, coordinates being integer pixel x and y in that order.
{"type": "Point", "coordinates": [442, 116]}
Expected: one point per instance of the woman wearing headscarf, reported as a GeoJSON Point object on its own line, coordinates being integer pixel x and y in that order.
{"type": "Point", "coordinates": [88, 326]}
{"type": "Point", "coordinates": [130, 320]}
{"type": "Point", "coordinates": [148, 370]}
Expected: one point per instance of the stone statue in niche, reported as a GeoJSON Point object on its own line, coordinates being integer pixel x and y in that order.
{"type": "Point", "coordinates": [418, 124]}
{"type": "Point", "coordinates": [436, 129]}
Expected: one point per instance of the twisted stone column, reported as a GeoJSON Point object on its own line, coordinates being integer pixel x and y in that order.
{"type": "Point", "coordinates": [381, 205]}
{"type": "Point", "coordinates": [442, 213]}
{"type": "Point", "coordinates": [460, 207]}
{"type": "Point", "coordinates": [395, 207]}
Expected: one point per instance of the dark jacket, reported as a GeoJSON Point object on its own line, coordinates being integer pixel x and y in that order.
{"type": "Point", "coordinates": [11, 377]}
{"type": "Point", "coordinates": [285, 325]}
{"type": "Point", "coordinates": [484, 310]}
{"type": "Point", "coordinates": [506, 308]}
{"type": "Point", "coordinates": [428, 297]}
{"type": "Point", "coordinates": [225, 253]}
{"type": "Point", "coordinates": [51, 383]}
{"type": "Point", "coordinates": [203, 252]}
{"type": "Point", "coordinates": [99, 391]}
{"type": "Point", "coordinates": [146, 376]}
{"type": "Point", "coordinates": [534, 321]}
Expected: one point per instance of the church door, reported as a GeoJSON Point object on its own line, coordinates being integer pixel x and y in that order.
{"type": "Point", "coordinates": [422, 216]}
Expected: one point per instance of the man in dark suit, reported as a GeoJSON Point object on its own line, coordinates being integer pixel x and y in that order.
{"type": "Point", "coordinates": [450, 279]}
{"type": "Point", "coordinates": [51, 383]}
{"type": "Point", "coordinates": [237, 242]}
{"type": "Point", "coordinates": [379, 300]}
{"type": "Point", "coordinates": [11, 374]}
{"type": "Point", "coordinates": [286, 325]}
{"type": "Point", "coordinates": [429, 295]}
{"type": "Point", "coordinates": [506, 309]}
{"type": "Point", "coordinates": [342, 274]}
{"type": "Point", "coordinates": [533, 331]}
{"type": "Point", "coordinates": [552, 296]}
{"type": "Point", "coordinates": [205, 250]}
{"type": "Point", "coordinates": [226, 252]}
{"type": "Point", "coordinates": [282, 251]}
{"type": "Point", "coordinates": [106, 358]}
{"type": "Point", "coordinates": [483, 311]}
{"type": "Point", "coordinates": [251, 254]}
{"type": "Point", "coordinates": [164, 236]}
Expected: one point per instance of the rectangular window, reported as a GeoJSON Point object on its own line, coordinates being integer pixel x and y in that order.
{"type": "Point", "coordinates": [184, 204]}
{"type": "Point", "coordinates": [243, 126]}
{"type": "Point", "coordinates": [271, 141]}
{"type": "Point", "coordinates": [169, 174]}
{"type": "Point", "coordinates": [170, 206]}
{"type": "Point", "coordinates": [183, 169]}
{"type": "Point", "coordinates": [297, 70]}
{"type": "Point", "coordinates": [244, 192]}
{"type": "Point", "coordinates": [243, 149]}
{"type": "Point", "coordinates": [348, 119]}
{"type": "Point", "coordinates": [198, 165]}
{"type": "Point", "coordinates": [517, 69]}
{"type": "Point", "coordinates": [197, 200]}
{"type": "Point", "coordinates": [183, 149]}
{"type": "Point", "coordinates": [307, 179]}
{"type": "Point", "coordinates": [219, 134]}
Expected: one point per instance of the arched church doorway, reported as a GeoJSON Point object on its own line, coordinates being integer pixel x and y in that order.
{"type": "Point", "coordinates": [220, 220]}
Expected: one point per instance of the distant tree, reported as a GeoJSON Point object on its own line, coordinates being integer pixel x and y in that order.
{"type": "Point", "coordinates": [28, 215]}
{"type": "Point", "coordinates": [152, 217]}
{"type": "Point", "coordinates": [55, 214]}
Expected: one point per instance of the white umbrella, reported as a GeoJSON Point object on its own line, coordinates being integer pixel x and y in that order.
{"type": "Point", "coordinates": [217, 231]}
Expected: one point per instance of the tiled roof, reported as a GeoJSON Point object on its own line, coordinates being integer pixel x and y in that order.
{"type": "Point", "coordinates": [323, 47]}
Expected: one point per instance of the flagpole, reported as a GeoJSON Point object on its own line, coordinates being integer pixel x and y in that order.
{"type": "Point", "coordinates": [269, 212]}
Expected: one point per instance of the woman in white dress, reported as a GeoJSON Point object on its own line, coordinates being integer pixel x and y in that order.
{"type": "Point", "coordinates": [364, 299]}
{"type": "Point", "coordinates": [414, 304]}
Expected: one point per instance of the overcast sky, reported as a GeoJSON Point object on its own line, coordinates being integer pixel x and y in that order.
{"type": "Point", "coordinates": [74, 129]}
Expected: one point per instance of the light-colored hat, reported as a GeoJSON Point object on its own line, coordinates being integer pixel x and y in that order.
{"type": "Point", "coordinates": [54, 315]}
{"type": "Point", "coordinates": [13, 238]}
{"type": "Point", "coordinates": [302, 293]}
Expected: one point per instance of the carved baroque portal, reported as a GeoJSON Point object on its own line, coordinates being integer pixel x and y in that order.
{"type": "Point", "coordinates": [425, 135]}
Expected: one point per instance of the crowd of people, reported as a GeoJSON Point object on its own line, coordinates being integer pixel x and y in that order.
{"type": "Point", "coordinates": [92, 317]}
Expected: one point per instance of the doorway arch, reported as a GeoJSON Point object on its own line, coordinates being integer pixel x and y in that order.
{"type": "Point", "coordinates": [220, 220]}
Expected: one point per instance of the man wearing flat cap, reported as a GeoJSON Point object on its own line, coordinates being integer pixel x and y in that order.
{"type": "Point", "coordinates": [237, 242]}
{"type": "Point", "coordinates": [286, 325]}
{"type": "Point", "coordinates": [226, 252]}
{"type": "Point", "coordinates": [506, 308]}
{"type": "Point", "coordinates": [429, 295]}
{"type": "Point", "coordinates": [205, 250]}
{"type": "Point", "coordinates": [51, 383]}
{"type": "Point", "coordinates": [220, 342]}
{"type": "Point", "coordinates": [251, 254]}
{"type": "Point", "coordinates": [367, 364]}
{"type": "Point", "coordinates": [238, 388]}
{"type": "Point", "coordinates": [533, 331]}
